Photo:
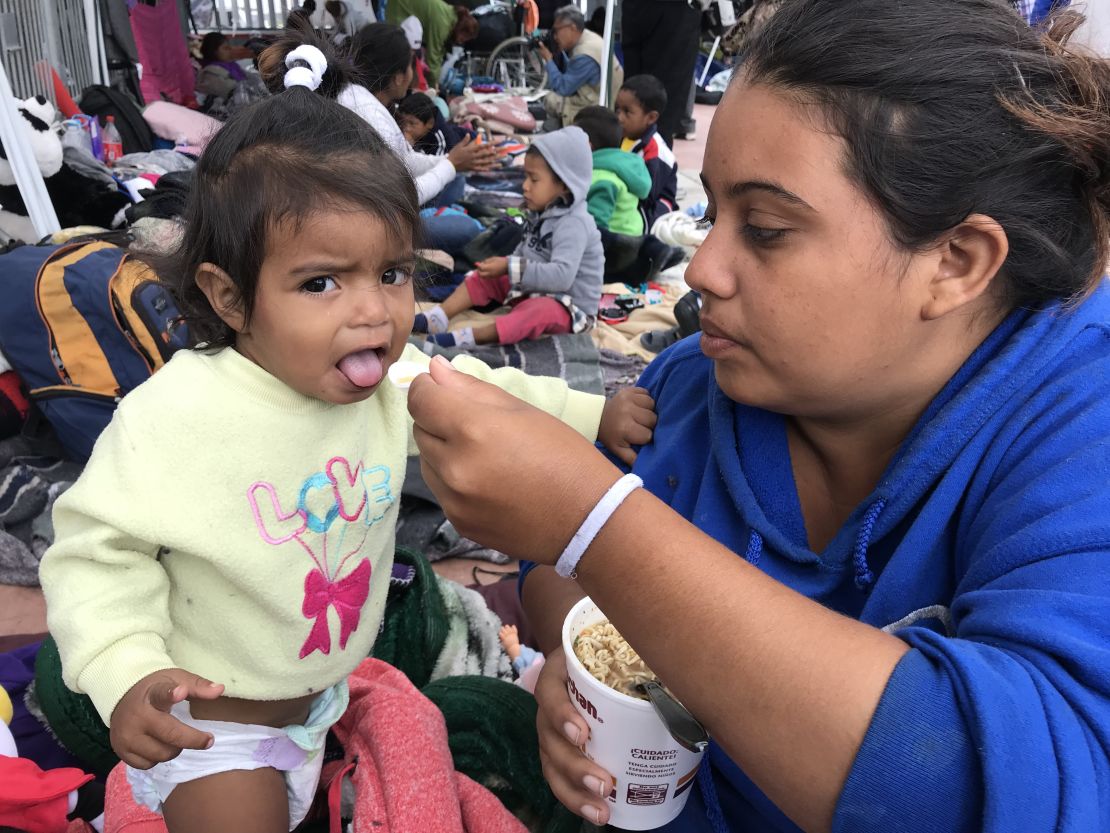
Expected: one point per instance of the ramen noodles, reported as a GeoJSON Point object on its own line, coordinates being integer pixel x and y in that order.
{"type": "Point", "coordinates": [610, 659]}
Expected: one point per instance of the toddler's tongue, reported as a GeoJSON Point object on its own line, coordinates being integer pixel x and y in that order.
{"type": "Point", "coordinates": [363, 369]}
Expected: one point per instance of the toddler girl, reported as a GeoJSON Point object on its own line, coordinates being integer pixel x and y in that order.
{"type": "Point", "coordinates": [221, 566]}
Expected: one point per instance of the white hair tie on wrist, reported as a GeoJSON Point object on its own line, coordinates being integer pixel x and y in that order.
{"type": "Point", "coordinates": [298, 74]}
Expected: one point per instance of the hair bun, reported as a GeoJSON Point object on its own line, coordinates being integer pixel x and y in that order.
{"type": "Point", "coordinates": [306, 66]}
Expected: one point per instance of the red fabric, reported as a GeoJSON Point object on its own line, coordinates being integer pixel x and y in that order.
{"type": "Point", "coordinates": [66, 105]}
{"type": "Point", "coordinates": [421, 70]}
{"type": "Point", "coordinates": [35, 800]}
{"type": "Point", "coordinates": [530, 318]}
{"type": "Point", "coordinates": [121, 813]}
{"type": "Point", "coordinates": [405, 778]}
{"type": "Point", "coordinates": [167, 72]}
{"type": "Point", "coordinates": [11, 390]}
{"type": "Point", "coordinates": [404, 775]}
{"type": "Point", "coordinates": [487, 290]}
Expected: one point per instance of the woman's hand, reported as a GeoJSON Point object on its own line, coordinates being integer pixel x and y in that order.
{"type": "Point", "coordinates": [469, 155]}
{"type": "Point", "coordinates": [628, 420]}
{"type": "Point", "coordinates": [492, 267]}
{"type": "Point", "coordinates": [144, 733]}
{"type": "Point", "coordinates": [579, 783]}
{"type": "Point", "coordinates": [507, 475]}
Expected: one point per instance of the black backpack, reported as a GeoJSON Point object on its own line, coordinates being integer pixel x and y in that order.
{"type": "Point", "coordinates": [101, 101]}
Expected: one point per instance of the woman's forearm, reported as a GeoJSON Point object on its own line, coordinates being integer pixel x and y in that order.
{"type": "Point", "coordinates": [787, 687]}
{"type": "Point", "coordinates": [547, 598]}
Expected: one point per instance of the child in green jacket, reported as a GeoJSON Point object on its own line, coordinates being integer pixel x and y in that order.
{"type": "Point", "coordinates": [620, 179]}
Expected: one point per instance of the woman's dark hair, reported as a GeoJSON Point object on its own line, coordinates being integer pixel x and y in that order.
{"type": "Point", "coordinates": [418, 106]}
{"type": "Point", "coordinates": [273, 165]}
{"type": "Point", "coordinates": [956, 107]}
{"type": "Point", "coordinates": [210, 45]}
{"type": "Point", "coordinates": [380, 51]}
{"type": "Point", "coordinates": [601, 126]}
{"type": "Point", "coordinates": [648, 90]}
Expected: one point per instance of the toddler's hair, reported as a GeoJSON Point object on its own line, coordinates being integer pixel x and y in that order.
{"type": "Point", "coordinates": [272, 166]}
{"type": "Point", "coordinates": [418, 106]}
{"type": "Point", "coordinates": [648, 90]}
{"type": "Point", "coordinates": [601, 126]}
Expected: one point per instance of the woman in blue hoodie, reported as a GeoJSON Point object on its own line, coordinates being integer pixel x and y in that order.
{"type": "Point", "coordinates": [873, 551]}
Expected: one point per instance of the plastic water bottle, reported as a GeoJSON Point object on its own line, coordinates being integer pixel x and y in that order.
{"type": "Point", "coordinates": [113, 142]}
{"type": "Point", "coordinates": [75, 136]}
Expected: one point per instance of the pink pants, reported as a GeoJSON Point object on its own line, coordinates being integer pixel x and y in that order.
{"type": "Point", "coordinates": [530, 318]}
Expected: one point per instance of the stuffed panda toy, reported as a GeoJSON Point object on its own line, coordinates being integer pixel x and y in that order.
{"type": "Point", "coordinates": [78, 200]}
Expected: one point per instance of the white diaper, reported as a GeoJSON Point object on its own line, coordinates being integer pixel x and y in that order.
{"type": "Point", "coordinates": [296, 751]}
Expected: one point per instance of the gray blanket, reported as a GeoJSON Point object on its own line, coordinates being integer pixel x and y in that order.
{"type": "Point", "coordinates": [31, 478]}
{"type": "Point", "coordinates": [573, 358]}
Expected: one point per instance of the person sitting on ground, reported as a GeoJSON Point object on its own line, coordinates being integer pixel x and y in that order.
{"type": "Point", "coordinates": [382, 55]}
{"type": "Point", "coordinates": [416, 116]}
{"type": "Point", "coordinates": [444, 26]}
{"type": "Point", "coordinates": [219, 74]}
{"type": "Point", "coordinates": [620, 179]}
{"type": "Point", "coordinates": [414, 29]}
{"type": "Point", "coordinates": [425, 128]}
{"type": "Point", "coordinates": [640, 101]}
{"type": "Point", "coordinates": [553, 279]}
{"type": "Point", "coordinates": [578, 83]}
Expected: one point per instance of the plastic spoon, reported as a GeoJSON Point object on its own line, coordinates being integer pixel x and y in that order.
{"type": "Point", "coordinates": [682, 725]}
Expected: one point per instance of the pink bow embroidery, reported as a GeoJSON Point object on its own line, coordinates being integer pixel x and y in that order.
{"type": "Point", "coordinates": [347, 596]}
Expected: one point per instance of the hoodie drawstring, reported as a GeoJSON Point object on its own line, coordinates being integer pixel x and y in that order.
{"type": "Point", "coordinates": [864, 577]}
{"type": "Point", "coordinates": [755, 548]}
{"type": "Point", "coordinates": [709, 798]}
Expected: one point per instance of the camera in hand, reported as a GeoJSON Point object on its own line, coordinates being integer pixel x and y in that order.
{"type": "Point", "coordinates": [547, 38]}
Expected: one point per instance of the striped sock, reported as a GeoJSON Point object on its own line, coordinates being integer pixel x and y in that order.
{"type": "Point", "coordinates": [455, 338]}
{"type": "Point", "coordinates": [437, 320]}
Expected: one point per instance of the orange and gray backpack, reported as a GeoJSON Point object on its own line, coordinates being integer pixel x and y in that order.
{"type": "Point", "coordinates": [83, 324]}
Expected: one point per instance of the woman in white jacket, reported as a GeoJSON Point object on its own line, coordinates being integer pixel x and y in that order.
{"type": "Point", "coordinates": [383, 58]}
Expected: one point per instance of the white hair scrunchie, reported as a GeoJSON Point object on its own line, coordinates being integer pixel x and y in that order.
{"type": "Point", "coordinates": [305, 76]}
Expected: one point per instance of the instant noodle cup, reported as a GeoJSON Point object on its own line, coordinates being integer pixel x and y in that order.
{"type": "Point", "coordinates": [652, 773]}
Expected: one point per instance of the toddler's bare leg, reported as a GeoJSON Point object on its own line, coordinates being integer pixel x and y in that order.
{"type": "Point", "coordinates": [458, 301]}
{"type": "Point", "coordinates": [240, 801]}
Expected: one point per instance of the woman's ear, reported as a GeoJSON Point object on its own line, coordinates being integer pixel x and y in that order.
{"type": "Point", "coordinates": [969, 259]}
{"type": "Point", "coordinates": [222, 294]}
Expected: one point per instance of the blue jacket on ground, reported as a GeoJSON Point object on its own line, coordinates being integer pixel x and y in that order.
{"type": "Point", "coordinates": [985, 546]}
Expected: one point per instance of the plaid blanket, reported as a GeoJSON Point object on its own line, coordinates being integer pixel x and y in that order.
{"type": "Point", "coordinates": [572, 358]}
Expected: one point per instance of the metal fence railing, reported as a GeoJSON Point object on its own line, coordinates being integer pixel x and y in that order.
{"type": "Point", "coordinates": [254, 14]}
{"type": "Point", "coordinates": [39, 33]}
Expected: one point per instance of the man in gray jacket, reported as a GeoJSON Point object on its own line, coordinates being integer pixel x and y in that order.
{"type": "Point", "coordinates": [553, 280]}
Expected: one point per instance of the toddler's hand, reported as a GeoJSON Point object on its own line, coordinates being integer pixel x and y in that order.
{"type": "Point", "coordinates": [628, 420]}
{"type": "Point", "coordinates": [143, 732]}
{"type": "Point", "coordinates": [492, 267]}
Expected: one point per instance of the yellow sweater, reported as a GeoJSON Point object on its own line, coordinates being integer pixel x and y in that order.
{"type": "Point", "coordinates": [232, 527]}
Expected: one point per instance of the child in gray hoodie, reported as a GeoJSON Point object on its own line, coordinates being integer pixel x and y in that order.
{"type": "Point", "coordinates": [553, 280]}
